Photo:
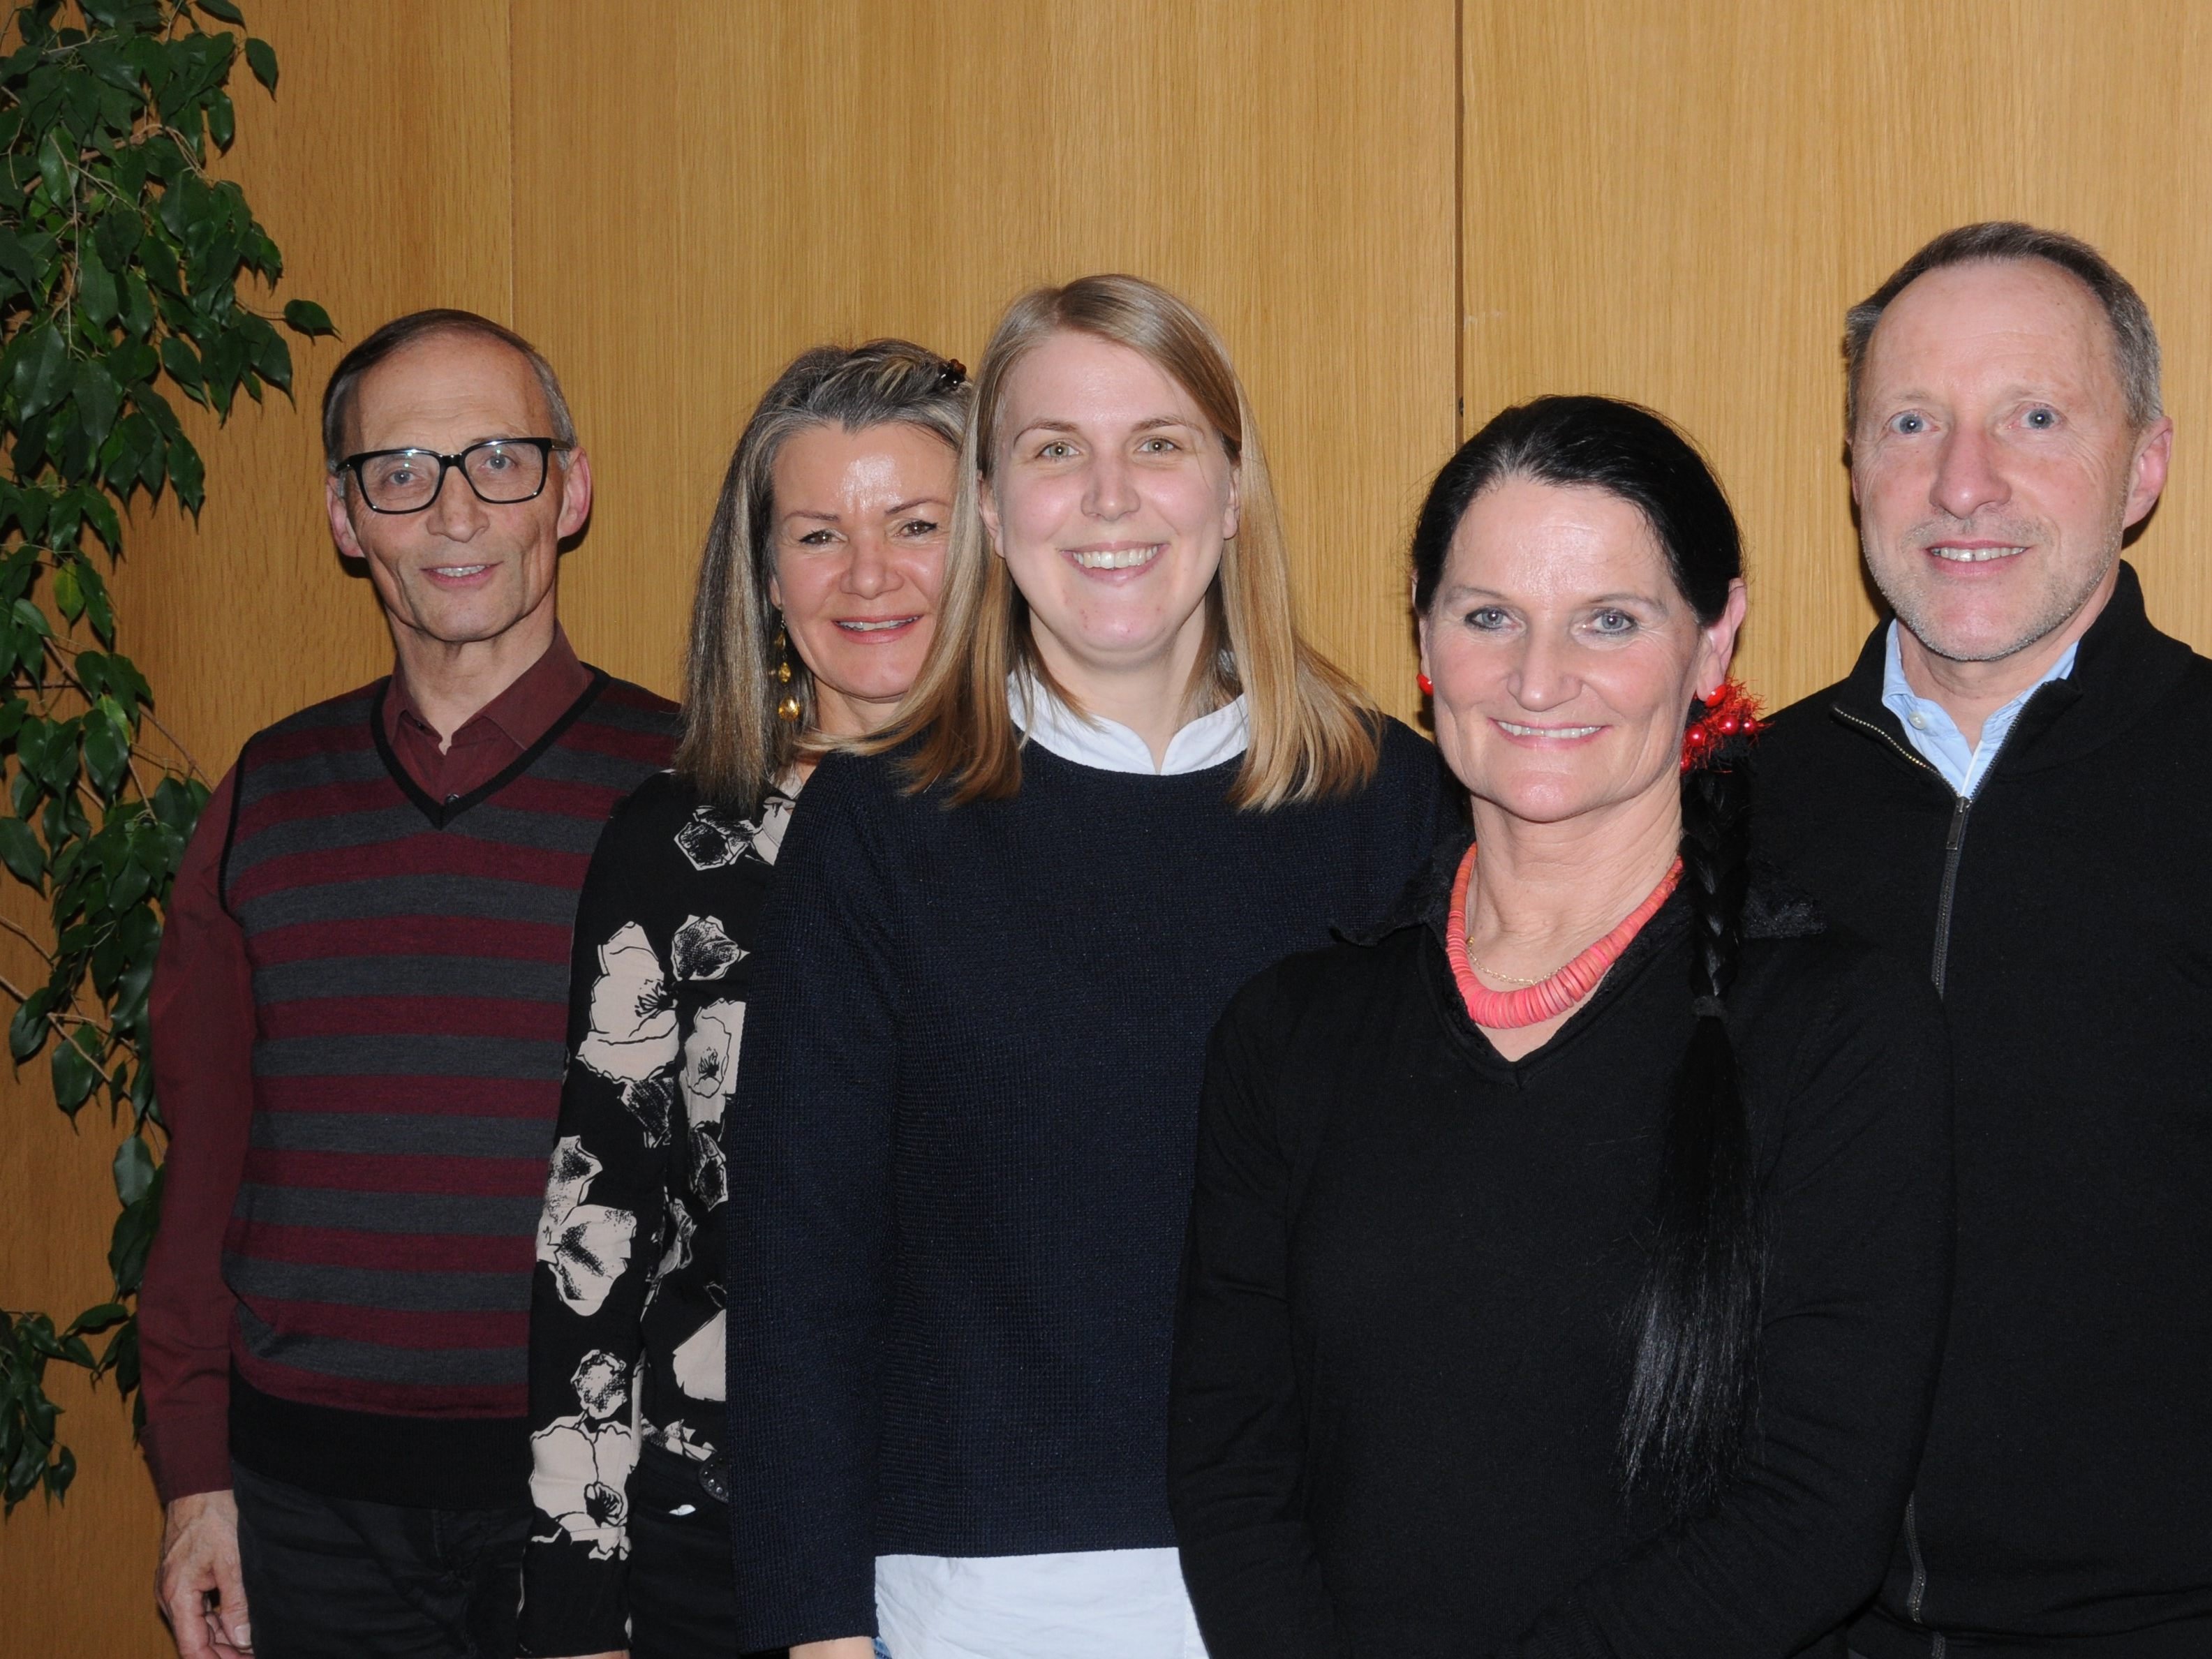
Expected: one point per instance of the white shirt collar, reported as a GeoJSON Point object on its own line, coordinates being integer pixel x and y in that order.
{"type": "Point", "coordinates": [1932, 731]}
{"type": "Point", "coordinates": [1110, 747]}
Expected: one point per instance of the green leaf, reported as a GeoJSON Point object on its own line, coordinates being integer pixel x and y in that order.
{"type": "Point", "coordinates": [183, 365]}
{"type": "Point", "coordinates": [261, 58]}
{"type": "Point", "coordinates": [100, 512]}
{"type": "Point", "coordinates": [306, 317]}
{"type": "Point", "coordinates": [53, 170]}
{"type": "Point", "coordinates": [225, 9]}
{"type": "Point", "coordinates": [222, 120]}
{"type": "Point", "coordinates": [21, 851]}
{"type": "Point", "coordinates": [96, 289]}
{"type": "Point", "coordinates": [107, 756]}
{"type": "Point", "coordinates": [92, 1320]}
{"type": "Point", "coordinates": [29, 615]}
{"type": "Point", "coordinates": [186, 473]}
{"type": "Point", "coordinates": [134, 1233]}
{"type": "Point", "coordinates": [63, 1469]}
{"type": "Point", "coordinates": [68, 598]}
{"type": "Point", "coordinates": [98, 400]}
{"type": "Point", "coordinates": [118, 235]}
{"type": "Point", "coordinates": [41, 373]}
{"type": "Point", "coordinates": [27, 1030]}
{"type": "Point", "coordinates": [134, 1169]}
{"type": "Point", "coordinates": [16, 261]}
{"type": "Point", "coordinates": [74, 1077]}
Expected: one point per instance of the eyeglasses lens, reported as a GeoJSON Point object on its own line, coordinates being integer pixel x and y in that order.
{"type": "Point", "coordinates": [506, 473]}
{"type": "Point", "coordinates": [407, 481]}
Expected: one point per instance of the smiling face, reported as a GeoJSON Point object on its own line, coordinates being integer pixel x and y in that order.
{"type": "Point", "coordinates": [859, 540]}
{"type": "Point", "coordinates": [1110, 499]}
{"type": "Point", "coordinates": [1564, 656]}
{"type": "Point", "coordinates": [462, 571]}
{"type": "Point", "coordinates": [1994, 464]}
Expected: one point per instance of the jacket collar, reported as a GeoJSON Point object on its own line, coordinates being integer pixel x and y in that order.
{"type": "Point", "coordinates": [2122, 670]}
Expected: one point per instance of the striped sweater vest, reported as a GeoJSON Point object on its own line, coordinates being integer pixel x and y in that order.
{"type": "Point", "coordinates": [410, 970]}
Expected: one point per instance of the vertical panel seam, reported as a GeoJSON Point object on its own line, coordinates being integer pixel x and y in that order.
{"type": "Point", "coordinates": [1459, 222]}
{"type": "Point", "coordinates": [514, 204]}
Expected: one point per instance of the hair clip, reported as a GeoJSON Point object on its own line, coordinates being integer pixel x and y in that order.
{"type": "Point", "coordinates": [951, 372]}
{"type": "Point", "coordinates": [1722, 728]}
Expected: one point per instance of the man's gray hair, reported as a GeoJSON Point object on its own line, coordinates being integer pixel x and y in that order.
{"type": "Point", "coordinates": [403, 331]}
{"type": "Point", "coordinates": [2135, 341]}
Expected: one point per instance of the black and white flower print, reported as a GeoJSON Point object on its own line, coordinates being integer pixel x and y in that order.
{"type": "Point", "coordinates": [702, 951]}
{"type": "Point", "coordinates": [710, 1060]}
{"type": "Point", "coordinates": [633, 1031]}
{"type": "Point", "coordinates": [712, 838]}
{"type": "Point", "coordinates": [586, 1245]}
{"type": "Point", "coordinates": [579, 1465]}
{"type": "Point", "coordinates": [627, 1325]}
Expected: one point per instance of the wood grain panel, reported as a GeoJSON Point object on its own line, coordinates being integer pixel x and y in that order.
{"type": "Point", "coordinates": [1675, 203]}
{"type": "Point", "coordinates": [707, 191]}
{"type": "Point", "coordinates": [382, 170]}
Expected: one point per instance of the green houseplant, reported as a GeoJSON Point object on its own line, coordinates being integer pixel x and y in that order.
{"type": "Point", "coordinates": [121, 261]}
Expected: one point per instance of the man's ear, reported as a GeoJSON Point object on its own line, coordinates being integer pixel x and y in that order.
{"type": "Point", "coordinates": [576, 493]}
{"type": "Point", "coordinates": [334, 502]}
{"type": "Point", "coordinates": [2153, 451]}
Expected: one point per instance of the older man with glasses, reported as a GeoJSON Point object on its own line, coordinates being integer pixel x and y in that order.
{"type": "Point", "coordinates": [359, 1018]}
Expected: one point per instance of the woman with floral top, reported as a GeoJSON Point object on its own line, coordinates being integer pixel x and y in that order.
{"type": "Point", "coordinates": [816, 599]}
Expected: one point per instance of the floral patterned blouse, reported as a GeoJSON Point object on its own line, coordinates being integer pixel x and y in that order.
{"type": "Point", "coordinates": [626, 1304]}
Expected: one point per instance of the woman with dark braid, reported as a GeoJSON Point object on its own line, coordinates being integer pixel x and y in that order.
{"type": "Point", "coordinates": [1568, 1259]}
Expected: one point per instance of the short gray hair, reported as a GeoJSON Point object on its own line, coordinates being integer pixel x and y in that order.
{"type": "Point", "coordinates": [2135, 341]}
{"type": "Point", "coordinates": [734, 745]}
{"type": "Point", "coordinates": [404, 331]}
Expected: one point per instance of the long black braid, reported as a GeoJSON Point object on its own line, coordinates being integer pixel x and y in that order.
{"type": "Point", "coordinates": [1694, 1325]}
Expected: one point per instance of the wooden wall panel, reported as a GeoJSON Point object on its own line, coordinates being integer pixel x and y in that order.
{"type": "Point", "coordinates": [1676, 202]}
{"type": "Point", "coordinates": [382, 170]}
{"type": "Point", "coordinates": [710, 189]}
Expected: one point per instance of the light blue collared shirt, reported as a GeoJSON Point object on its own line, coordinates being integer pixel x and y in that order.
{"type": "Point", "coordinates": [1937, 735]}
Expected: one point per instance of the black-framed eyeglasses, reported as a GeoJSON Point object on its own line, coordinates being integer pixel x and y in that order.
{"type": "Point", "coordinates": [501, 471]}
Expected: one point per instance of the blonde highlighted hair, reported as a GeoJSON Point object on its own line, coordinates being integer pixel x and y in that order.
{"type": "Point", "coordinates": [1313, 733]}
{"type": "Point", "coordinates": [734, 745]}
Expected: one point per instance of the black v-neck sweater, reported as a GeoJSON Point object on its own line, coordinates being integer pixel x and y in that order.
{"type": "Point", "coordinates": [1402, 1358]}
{"type": "Point", "coordinates": [2064, 1506]}
{"type": "Point", "coordinates": [960, 1150]}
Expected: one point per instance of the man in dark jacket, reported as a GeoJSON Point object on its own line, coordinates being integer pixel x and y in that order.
{"type": "Point", "coordinates": [2013, 789]}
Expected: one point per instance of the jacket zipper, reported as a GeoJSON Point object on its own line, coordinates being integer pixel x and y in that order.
{"type": "Point", "coordinates": [1954, 840]}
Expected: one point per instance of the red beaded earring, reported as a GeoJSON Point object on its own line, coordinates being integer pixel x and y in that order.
{"type": "Point", "coordinates": [1428, 686]}
{"type": "Point", "coordinates": [1726, 723]}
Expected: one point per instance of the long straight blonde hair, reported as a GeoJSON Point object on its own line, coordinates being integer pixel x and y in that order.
{"type": "Point", "coordinates": [1313, 733]}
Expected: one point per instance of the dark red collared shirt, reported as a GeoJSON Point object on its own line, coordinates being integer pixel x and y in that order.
{"type": "Point", "coordinates": [201, 1010]}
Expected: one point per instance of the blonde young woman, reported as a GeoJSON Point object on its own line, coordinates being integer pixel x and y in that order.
{"type": "Point", "coordinates": [961, 1153]}
{"type": "Point", "coordinates": [817, 596]}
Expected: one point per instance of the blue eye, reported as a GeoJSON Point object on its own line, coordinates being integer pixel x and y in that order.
{"type": "Point", "coordinates": [1486, 617]}
{"type": "Point", "coordinates": [1909, 424]}
{"type": "Point", "coordinates": [2043, 419]}
{"type": "Point", "coordinates": [1613, 622]}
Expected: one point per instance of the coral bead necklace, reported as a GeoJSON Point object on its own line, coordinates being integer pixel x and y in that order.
{"type": "Point", "coordinates": [1549, 997]}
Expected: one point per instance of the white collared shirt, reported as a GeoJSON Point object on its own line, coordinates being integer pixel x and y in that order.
{"type": "Point", "coordinates": [1937, 735]}
{"type": "Point", "coordinates": [1082, 1604]}
{"type": "Point", "coordinates": [1093, 740]}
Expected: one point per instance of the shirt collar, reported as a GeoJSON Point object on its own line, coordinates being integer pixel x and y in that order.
{"type": "Point", "coordinates": [1110, 747]}
{"type": "Point", "coordinates": [1932, 731]}
{"type": "Point", "coordinates": [522, 714]}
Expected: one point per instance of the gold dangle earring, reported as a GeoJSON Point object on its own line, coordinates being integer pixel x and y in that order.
{"type": "Point", "coordinates": [788, 709]}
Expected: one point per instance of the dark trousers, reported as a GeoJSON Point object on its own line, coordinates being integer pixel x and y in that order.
{"type": "Point", "coordinates": [339, 1579]}
{"type": "Point", "coordinates": [681, 1586]}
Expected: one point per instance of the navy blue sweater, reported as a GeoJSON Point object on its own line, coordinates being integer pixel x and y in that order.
{"type": "Point", "coordinates": [962, 1148]}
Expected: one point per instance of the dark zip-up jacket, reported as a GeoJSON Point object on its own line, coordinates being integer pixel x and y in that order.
{"type": "Point", "coordinates": [2064, 1501]}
